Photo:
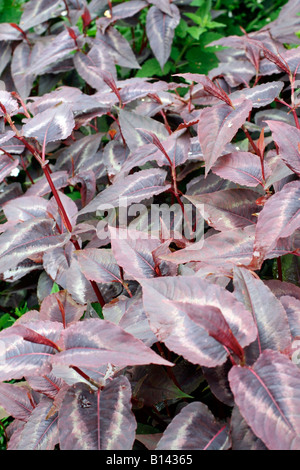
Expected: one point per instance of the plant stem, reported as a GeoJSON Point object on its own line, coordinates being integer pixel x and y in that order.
{"type": "Point", "coordinates": [256, 150]}
{"type": "Point", "coordinates": [296, 118]}
{"type": "Point", "coordinates": [64, 216]}
{"type": "Point", "coordinates": [85, 376]}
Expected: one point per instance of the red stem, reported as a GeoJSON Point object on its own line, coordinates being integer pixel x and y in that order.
{"type": "Point", "coordinates": [296, 119]}
{"type": "Point", "coordinates": [257, 151]}
{"type": "Point", "coordinates": [47, 172]}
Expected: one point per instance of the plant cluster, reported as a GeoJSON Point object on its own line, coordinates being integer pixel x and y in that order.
{"type": "Point", "coordinates": [137, 328]}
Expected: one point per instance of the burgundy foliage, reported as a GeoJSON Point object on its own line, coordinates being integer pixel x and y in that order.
{"type": "Point", "coordinates": [178, 315]}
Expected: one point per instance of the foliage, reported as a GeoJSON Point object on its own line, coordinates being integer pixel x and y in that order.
{"type": "Point", "coordinates": [135, 328]}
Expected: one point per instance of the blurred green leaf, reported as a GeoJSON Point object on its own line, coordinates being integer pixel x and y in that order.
{"type": "Point", "coordinates": [55, 288]}
{"type": "Point", "coordinates": [6, 320]}
{"type": "Point", "coordinates": [195, 31]}
{"type": "Point", "coordinates": [10, 11]}
{"type": "Point", "coordinates": [151, 68]}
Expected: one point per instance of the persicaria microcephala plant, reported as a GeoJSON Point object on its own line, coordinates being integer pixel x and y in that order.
{"type": "Point", "coordinates": [133, 322]}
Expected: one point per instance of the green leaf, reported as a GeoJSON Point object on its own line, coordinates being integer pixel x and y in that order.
{"type": "Point", "coordinates": [181, 29]}
{"type": "Point", "coordinates": [91, 32]}
{"type": "Point", "coordinates": [19, 311]}
{"type": "Point", "coordinates": [214, 24]}
{"type": "Point", "coordinates": [6, 320]}
{"type": "Point", "coordinates": [11, 11]}
{"type": "Point", "coordinates": [55, 288]}
{"type": "Point", "coordinates": [151, 68]}
{"type": "Point", "coordinates": [196, 18]}
{"type": "Point", "coordinates": [197, 3]}
{"type": "Point", "coordinates": [98, 309]}
{"type": "Point", "coordinates": [79, 25]}
{"type": "Point", "coordinates": [200, 61]}
{"type": "Point", "coordinates": [195, 31]}
{"type": "Point", "coordinates": [74, 195]}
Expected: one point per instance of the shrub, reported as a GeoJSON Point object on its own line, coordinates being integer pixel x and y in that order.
{"type": "Point", "coordinates": [154, 226]}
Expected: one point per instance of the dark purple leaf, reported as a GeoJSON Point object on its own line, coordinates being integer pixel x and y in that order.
{"type": "Point", "coordinates": [274, 417]}
{"type": "Point", "coordinates": [160, 29]}
{"type": "Point", "coordinates": [173, 149]}
{"type": "Point", "coordinates": [25, 208]}
{"type": "Point", "coordinates": [117, 47]}
{"type": "Point", "coordinates": [133, 251]}
{"type": "Point", "coordinates": [80, 156]}
{"type": "Point", "coordinates": [225, 249]}
{"type": "Point", "coordinates": [42, 188]}
{"type": "Point", "coordinates": [217, 379]}
{"type": "Point", "coordinates": [29, 334]}
{"type": "Point", "coordinates": [40, 433]}
{"type": "Point", "coordinates": [131, 121]}
{"type": "Point", "coordinates": [210, 184]}
{"type": "Point", "coordinates": [98, 342]}
{"type": "Point", "coordinates": [5, 137]}
{"type": "Point", "coordinates": [243, 168]}
{"type": "Point", "coordinates": [228, 209]}
{"type": "Point", "coordinates": [119, 13]}
{"type": "Point", "coordinates": [195, 428]}
{"type": "Point", "coordinates": [105, 416]}
{"type": "Point", "coordinates": [235, 72]}
{"type": "Point", "coordinates": [260, 95]}
{"type": "Point", "coordinates": [5, 55]}
{"type": "Point", "coordinates": [99, 265]}
{"type": "Point", "coordinates": [130, 315]}
{"type": "Point", "coordinates": [53, 51]}
{"type": "Point", "coordinates": [7, 104]}
{"type": "Point", "coordinates": [288, 139]}
{"type": "Point", "coordinates": [55, 213]}
{"type": "Point", "coordinates": [114, 155]}
{"type": "Point", "coordinates": [268, 313]}
{"type": "Point", "coordinates": [22, 60]}
{"type": "Point", "coordinates": [19, 358]}
{"type": "Point", "coordinates": [208, 86]}
{"type": "Point", "coordinates": [217, 126]}
{"type": "Point", "coordinates": [78, 101]}
{"type": "Point", "coordinates": [39, 11]}
{"type": "Point", "coordinates": [7, 165]}
{"type": "Point", "coordinates": [241, 435]}
{"type": "Point", "coordinates": [163, 5]}
{"type": "Point", "coordinates": [279, 218]}
{"type": "Point", "coordinates": [16, 401]}
{"type": "Point", "coordinates": [9, 33]}
{"type": "Point", "coordinates": [48, 384]}
{"type": "Point", "coordinates": [28, 239]}
{"type": "Point", "coordinates": [60, 307]}
{"type": "Point", "coordinates": [286, 24]}
{"type": "Point", "coordinates": [89, 66]}
{"type": "Point", "coordinates": [138, 88]}
{"type": "Point", "coordinates": [130, 189]}
{"type": "Point", "coordinates": [280, 288]}
{"type": "Point", "coordinates": [64, 269]}
{"type": "Point", "coordinates": [54, 124]}
{"type": "Point", "coordinates": [184, 313]}
{"type": "Point", "coordinates": [292, 308]}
